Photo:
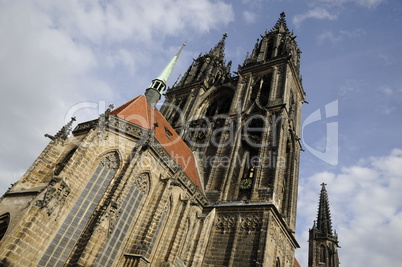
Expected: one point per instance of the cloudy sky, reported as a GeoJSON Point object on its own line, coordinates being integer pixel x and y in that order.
{"type": "Point", "coordinates": [65, 58]}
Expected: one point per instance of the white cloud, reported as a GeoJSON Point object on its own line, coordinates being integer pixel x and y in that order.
{"type": "Point", "coordinates": [141, 21]}
{"type": "Point", "coordinates": [351, 86]}
{"type": "Point", "coordinates": [249, 16]}
{"type": "Point", "coordinates": [388, 60]}
{"type": "Point", "coordinates": [316, 13]}
{"type": "Point", "coordinates": [330, 9]}
{"type": "Point", "coordinates": [362, 3]}
{"type": "Point", "coordinates": [365, 206]}
{"type": "Point", "coordinates": [369, 3]}
{"type": "Point", "coordinates": [386, 90]}
{"type": "Point", "coordinates": [335, 38]}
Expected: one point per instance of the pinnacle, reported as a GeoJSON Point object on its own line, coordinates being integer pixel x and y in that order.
{"type": "Point", "coordinates": [219, 49]}
{"type": "Point", "coordinates": [280, 25]}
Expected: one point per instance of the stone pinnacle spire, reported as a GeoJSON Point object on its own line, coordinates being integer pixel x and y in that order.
{"type": "Point", "coordinates": [324, 222]}
{"type": "Point", "coordinates": [158, 85]}
{"type": "Point", "coordinates": [219, 49]}
{"type": "Point", "coordinates": [281, 24]}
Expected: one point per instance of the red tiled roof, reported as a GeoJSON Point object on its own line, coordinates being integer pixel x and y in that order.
{"type": "Point", "coordinates": [139, 112]}
{"type": "Point", "coordinates": [297, 263]}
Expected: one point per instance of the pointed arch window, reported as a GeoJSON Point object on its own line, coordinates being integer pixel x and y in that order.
{"type": "Point", "coordinates": [270, 49]}
{"type": "Point", "coordinates": [4, 223]}
{"type": "Point", "coordinates": [322, 254]}
{"type": "Point", "coordinates": [265, 89]}
{"type": "Point", "coordinates": [220, 105]}
{"type": "Point", "coordinates": [129, 209]}
{"type": "Point", "coordinates": [72, 227]}
{"type": "Point", "coordinates": [278, 263]}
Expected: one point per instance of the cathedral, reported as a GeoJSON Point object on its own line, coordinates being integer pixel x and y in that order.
{"type": "Point", "coordinates": [209, 179]}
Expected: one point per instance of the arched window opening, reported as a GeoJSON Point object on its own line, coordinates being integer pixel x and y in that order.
{"type": "Point", "coordinates": [265, 89]}
{"type": "Point", "coordinates": [253, 129]}
{"type": "Point", "coordinates": [129, 209]}
{"type": "Point", "coordinates": [178, 111]}
{"type": "Point", "coordinates": [322, 254]}
{"type": "Point", "coordinates": [212, 109]}
{"type": "Point", "coordinates": [220, 105]}
{"type": "Point", "coordinates": [4, 222]}
{"type": "Point", "coordinates": [255, 90]}
{"type": "Point", "coordinates": [60, 249]}
{"type": "Point", "coordinates": [278, 263]}
{"type": "Point", "coordinates": [270, 48]}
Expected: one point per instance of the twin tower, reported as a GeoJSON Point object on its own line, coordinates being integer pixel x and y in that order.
{"type": "Point", "coordinates": [209, 180]}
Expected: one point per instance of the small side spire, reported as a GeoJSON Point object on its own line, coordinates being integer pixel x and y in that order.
{"type": "Point", "coordinates": [219, 49]}
{"type": "Point", "coordinates": [64, 131]}
{"type": "Point", "coordinates": [158, 85]}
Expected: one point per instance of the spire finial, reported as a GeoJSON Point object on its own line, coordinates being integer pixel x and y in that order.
{"type": "Point", "coordinates": [323, 186]}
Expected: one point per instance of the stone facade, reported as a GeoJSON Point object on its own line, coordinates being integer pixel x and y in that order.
{"type": "Point", "coordinates": [210, 180]}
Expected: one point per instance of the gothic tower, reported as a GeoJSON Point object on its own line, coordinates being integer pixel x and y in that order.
{"type": "Point", "coordinates": [323, 242]}
{"type": "Point", "coordinates": [244, 130]}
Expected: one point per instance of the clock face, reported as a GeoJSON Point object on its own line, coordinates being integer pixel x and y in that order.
{"type": "Point", "coordinates": [245, 183]}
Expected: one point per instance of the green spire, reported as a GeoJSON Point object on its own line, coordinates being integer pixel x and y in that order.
{"type": "Point", "coordinates": [158, 85]}
{"type": "Point", "coordinates": [165, 74]}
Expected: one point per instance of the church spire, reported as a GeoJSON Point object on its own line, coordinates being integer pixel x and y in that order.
{"type": "Point", "coordinates": [158, 85]}
{"type": "Point", "coordinates": [323, 244]}
{"type": "Point", "coordinates": [324, 222]}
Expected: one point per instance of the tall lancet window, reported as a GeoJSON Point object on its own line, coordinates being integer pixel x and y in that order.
{"type": "Point", "coordinates": [129, 209]}
{"type": "Point", "coordinates": [79, 215]}
{"type": "Point", "coordinates": [322, 255]}
{"type": "Point", "coordinates": [4, 222]}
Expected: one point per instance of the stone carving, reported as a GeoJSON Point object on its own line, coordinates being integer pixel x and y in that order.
{"type": "Point", "coordinates": [198, 129]}
{"type": "Point", "coordinates": [111, 161]}
{"type": "Point", "coordinates": [250, 222]}
{"type": "Point", "coordinates": [55, 197]}
{"type": "Point", "coordinates": [106, 223]}
{"type": "Point", "coordinates": [225, 223]}
{"type": "Point", "coordinates": [85, 126]}
{"type": "Point", "coordinates": [142, 183]}
{"type": "Point", "coordinates": [125, 127]}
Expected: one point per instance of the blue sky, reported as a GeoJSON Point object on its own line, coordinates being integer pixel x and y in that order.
{"type": "Point", "coordinates": [64, 58]}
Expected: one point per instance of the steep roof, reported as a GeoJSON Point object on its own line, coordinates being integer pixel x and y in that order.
{"type": "Point", "coordinates": [139, 112]}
